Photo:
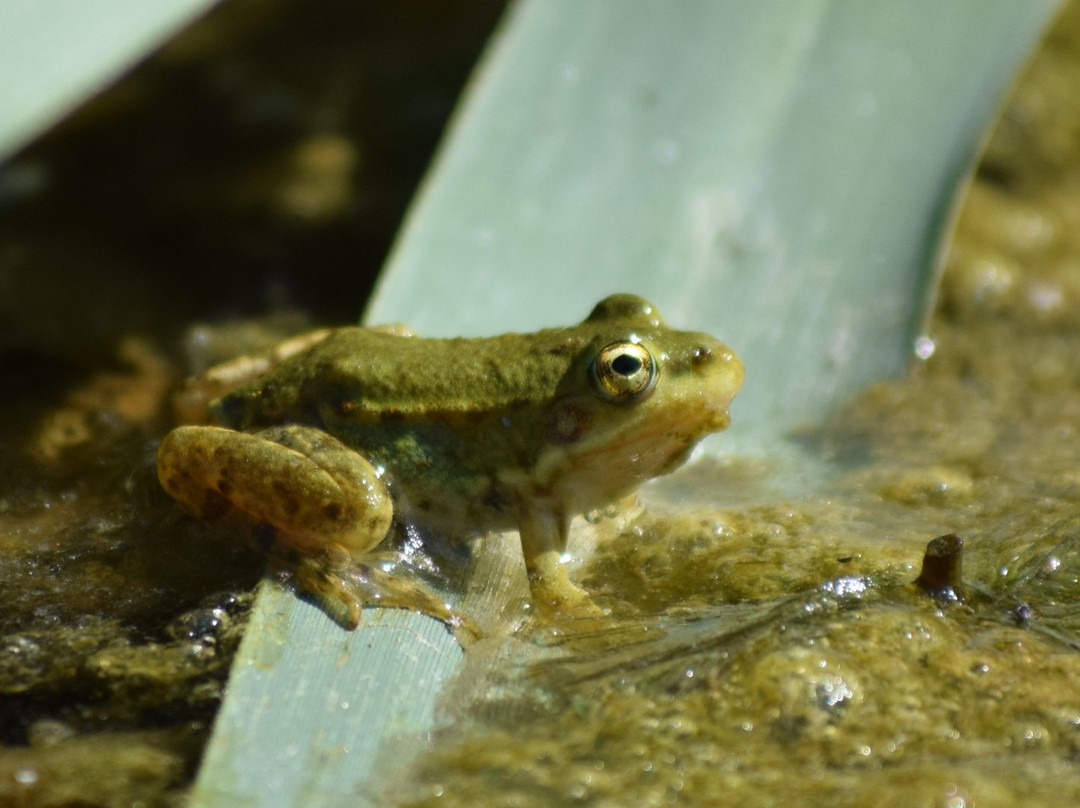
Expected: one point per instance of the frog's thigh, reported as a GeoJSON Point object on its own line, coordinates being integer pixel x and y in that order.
{"type": "Point", "coordinates": [310, 487]}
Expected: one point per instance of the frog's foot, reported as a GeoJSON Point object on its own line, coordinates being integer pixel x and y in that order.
{"type": "Point", "coordinates": [543, 539]}
{"type": "Point", "coordinates": [341, 587]}
{"type": "Point", "coordinates": [554, 594]}
{"type": "Point", "coordinates": [563, 599]}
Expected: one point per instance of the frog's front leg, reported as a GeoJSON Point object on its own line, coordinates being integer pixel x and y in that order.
{"type": "Point", "coordinates": [544, 533]}
{"type": "Point", "coordinates": [320, 502]}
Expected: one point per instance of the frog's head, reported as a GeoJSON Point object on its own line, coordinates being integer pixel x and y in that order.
{"type": "Point", "coordinates": [635, 401]}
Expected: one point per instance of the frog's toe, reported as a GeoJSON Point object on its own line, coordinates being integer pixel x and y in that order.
{"type": "Point", "coordinates": [561, 598]}
{"type": "Point", "coordinates": [341, 587]}
{"type": "Point", "coordinates": [371, 585]}
{"type": "Point", "coordinates": [338, 606]}
{"type": "Point", "coordinates": [317, 578]}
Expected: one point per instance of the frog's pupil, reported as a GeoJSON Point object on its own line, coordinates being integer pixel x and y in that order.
{"type": "Point", "coordinates": [626, 364]}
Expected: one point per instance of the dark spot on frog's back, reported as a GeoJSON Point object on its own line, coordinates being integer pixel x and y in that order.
{"type": "Point", "coordinates": [332, 511]}
{"type": "Point", "coordinates": [286, 497]}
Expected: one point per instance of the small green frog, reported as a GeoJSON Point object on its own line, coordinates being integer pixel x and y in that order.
{"type": "Point", "coordinates": [519, 431]}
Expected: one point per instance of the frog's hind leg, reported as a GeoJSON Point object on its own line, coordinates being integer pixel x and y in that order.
{"type": "Point", "coordinates": [309, 500]}
{"type": "Point", "coordinates": [307, 487]}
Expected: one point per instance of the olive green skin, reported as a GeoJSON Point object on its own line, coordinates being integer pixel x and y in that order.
{"type": "Point", "coordinates": [519, 431]}
{"type": "Point", "coordinates": [468, 429]}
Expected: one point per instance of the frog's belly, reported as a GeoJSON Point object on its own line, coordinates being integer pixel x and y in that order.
{"type": "Point", "coordinates": [446, 484]}
{"type": "Point", "coordinates": [474, 505]}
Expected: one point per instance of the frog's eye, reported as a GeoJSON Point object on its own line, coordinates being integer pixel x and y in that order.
{"type": "Point", "coordinates": [623, 372]}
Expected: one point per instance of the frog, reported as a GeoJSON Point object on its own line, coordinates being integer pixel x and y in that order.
{"type": "Point", "coordinates": [318, 446]}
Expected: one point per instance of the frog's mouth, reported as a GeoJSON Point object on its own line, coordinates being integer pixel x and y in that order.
{"type": "Point", "coordinates": [663, 446]}
{"type": "Point", "coordinates": [606, 469]}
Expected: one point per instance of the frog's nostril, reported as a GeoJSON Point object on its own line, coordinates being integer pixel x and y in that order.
{"type": "Point", "coordinates": [700, 356]}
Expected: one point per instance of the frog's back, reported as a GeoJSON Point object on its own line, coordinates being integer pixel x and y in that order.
{"type": "Point", "coordinates": [413, 375]}
{"type": "Point", "coordinates": [375, 376]}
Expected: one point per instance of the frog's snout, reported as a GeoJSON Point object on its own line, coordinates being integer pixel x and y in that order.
{"type": "Point", "coordinates": [722, 374]}
{"type": "Point", "coordinates": [736, 369]}
{"type": "Point", "coordinates": [721, 370]}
